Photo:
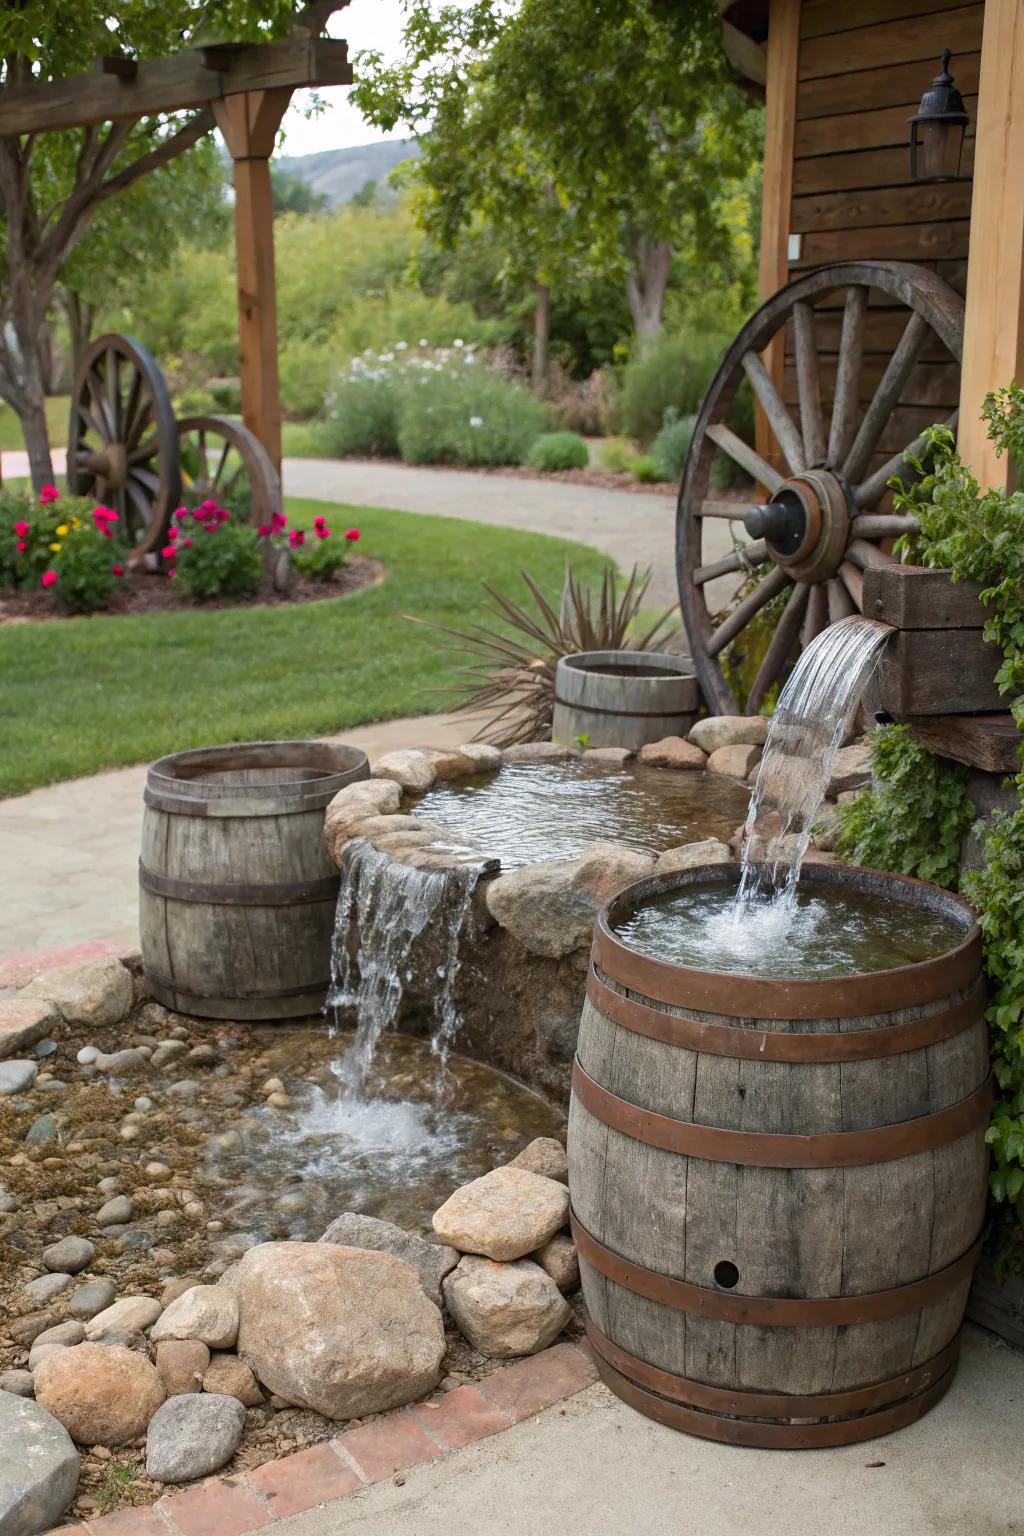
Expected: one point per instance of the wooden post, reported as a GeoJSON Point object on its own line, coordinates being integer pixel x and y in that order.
{"type": "Point", "coordinates": [249, 123]}
{"type": "Point", "coordinates": [779, 138]}
{"type": "Point", "coordinates": [994, 321]}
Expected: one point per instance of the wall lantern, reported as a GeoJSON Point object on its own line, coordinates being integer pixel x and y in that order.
{"type": "Point", "coordinates": [937, 130]}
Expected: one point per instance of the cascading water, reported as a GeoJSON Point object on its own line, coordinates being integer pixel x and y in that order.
{"type": "Point", "coordinates": [383, 908]}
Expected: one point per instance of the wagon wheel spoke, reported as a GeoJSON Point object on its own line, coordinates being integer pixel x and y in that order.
{"type": "Point", "coordinates": [744, 559]}
{"type": "Point", "coordinates": [786, 636]}
{"type": "Point", "coordinates": [840, 604]}
{"type": "Point", "coordinates": [144, 451]}
{"type": "Point", "coordinates": [853, 581]}
{"type": "Point", "coordinates": [851, 352]}
{"type": "Point", "coordinates": [231, 456]}
{"type": "Point", "coordinates": [774, 407]}
{"type": "Point", "coordinates": [816, 616]}
{"type": "Point", "coordinates": [746, 457]}
{"type": "Point", "coordinates": [767, 588]}
{"type": "Point", "coordinates": [885, 397]}
{"type": "Point", "coordinates": [874, 486]}
{"type": "Point", "coordinates": [808, 382]}
{"type": "Point", "coordinates": [216, 482]}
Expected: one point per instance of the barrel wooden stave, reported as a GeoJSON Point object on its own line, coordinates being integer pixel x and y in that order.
{"type": "Point", "coordinates": [612, 709]}
{"type": "Point", "coordinates": [792, 1232]}
{"type": "Point", "coordinates": [247, 828]}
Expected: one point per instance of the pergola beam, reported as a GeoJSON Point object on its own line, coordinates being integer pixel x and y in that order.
{"type": "Point", "coordinates": [159, 86]}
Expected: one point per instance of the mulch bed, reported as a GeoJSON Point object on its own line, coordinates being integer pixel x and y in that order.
{"type": "Point", "coordinates": [143, 591]}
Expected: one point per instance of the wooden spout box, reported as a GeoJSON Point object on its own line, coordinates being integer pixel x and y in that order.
{"type": "Point", "coordinates": [937, 663]}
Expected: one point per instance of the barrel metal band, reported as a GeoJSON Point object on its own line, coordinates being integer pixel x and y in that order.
{"type": "Point", "coordinates": [287, 894]}
{"type": "Point", "coordinates": [783, 1045]}
{"type": "Point", "coordinates": [772, 1311]}
{"type": "Point", "coordinates": [623, 714]}
{"type": "Point", "coordinates": [772, 1405]}
{"type": "Point", "coordinates": [230, 807]}
{"type": "Point", "coordinates": [782, 1437]}
{"type": "Point", "coordinates": [759, 1149]}
{"type": "Point", "coordinates": [312, 989]}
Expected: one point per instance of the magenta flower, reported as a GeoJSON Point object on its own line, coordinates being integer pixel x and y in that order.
{"type": "Point", "coordinates": [264, 530]}
{"type": "Point", "coordinates": [23, 529]}
{"type": "Point", "coordinates": [323, 533]}
{"type": "Point", "coordinates": [319, 522]}
{"type": "Point", "coordinates": [48, 578]}
{"type": "Point", "coordinates": [118, 570]}
{"type": "Point", "coordinates": [169, 552]}
{"type": "Point", "coordinates": [181, 515]}
{"type": "Point", "coordinates": [352, 534]}
{"type": "Point", "coordinates": [22, 546]}
{"type": "Point", "coordinates": [186, 543]}
{"type": "Point", "coordinates": [172, 534]}
{"type": "Point", "coordinates": [296, 537]}
{"type": "Point", "coordinates": [47, 494]}
{"type": "Point", "coordinates": [278, 521]}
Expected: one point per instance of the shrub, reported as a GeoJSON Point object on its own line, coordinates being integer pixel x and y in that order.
{"type": "Point", "coordinates": [87, 567]}
{"type": "Point", "coordinates": [616, 454]}
{"type": "Point", "coordinates": [208, 555]}
{"type": "Point", "coordinates": [672, 444]}
{"type": "Point", "coordinates": [647, 469]}
{"type": "Point", "coordinates": [671, 374]}
{"type": "Point", "coordinates": [558, 450]}
{"type": "Point", "coordinates": [324, 554]}
{"type": "Point", "coordinates": [36, 535]}
{"type": "Point", "coordinates": [467, 416]}
{"type": "Point", "coordinates": [363, 415]}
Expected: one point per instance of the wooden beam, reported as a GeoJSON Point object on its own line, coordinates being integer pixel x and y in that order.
{"type": "Point", "coordinates": [172, 85]}
{"type": "Point", "coordinates": [994, 319]}
{"type": "Point", "coordinates": [249, 125]}
{"type": "Point", "coordinates": [779, 135]}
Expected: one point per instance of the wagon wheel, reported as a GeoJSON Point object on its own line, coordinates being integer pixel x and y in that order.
{"type": "Point", "coordinates": [122, 442]}
{"type": "Point", "coordinates": [225, 462]}
{"type": "Point", "coordinates": [822, 526]}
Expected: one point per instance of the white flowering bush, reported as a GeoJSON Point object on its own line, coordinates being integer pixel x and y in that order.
{"type": "Point", "coordinates": [431, 405]}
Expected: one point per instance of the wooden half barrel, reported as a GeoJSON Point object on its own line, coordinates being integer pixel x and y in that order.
{"type": "Point", "coordinates": [778, 1186]}
{"type": "Point", "coordinates": [236, 888]}
{"type": "Point", "coordinates": [623, 698]}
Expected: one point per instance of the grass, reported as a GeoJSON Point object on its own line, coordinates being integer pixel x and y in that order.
{"type": "Point", "coordinates": [80, 695]}
{"type": "Point", "coordinates": [57, 409]}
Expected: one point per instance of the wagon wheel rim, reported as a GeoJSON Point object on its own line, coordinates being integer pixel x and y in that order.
{"type": "Point", "coordinates": [221, 459]}
{"type": "Point", "coordinates": [822, 527]}
{"type": "Point", "coordinates": [122, 442]}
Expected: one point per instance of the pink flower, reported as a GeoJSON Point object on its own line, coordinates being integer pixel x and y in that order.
{"type": "Point", "coordinates": [22, 546]}
{"type": "Point", "coordinates": [48, 578]}
{"type": "Point", "coordinates": [278, 521]}
{"type": "Point", "coordinates": [209, 505]}
{"type": "Point", "coordinates": [47, 494]}
{"type": "Point", "coordinates": [223, 515]}
{"type": "Point", "coordinates": [198, 514]}
{"type": "Point", "coordinates": [264, 530]}
{"type": "Point", "coordinates": [108, 533]}
{"type": "Point", "coordinates": [172, 534]}
{"type": "Point", "coordinates": [181, 515]}
{"type": "Point", "coordinates": [23, 529]}
{"type": "Point", "coordinates": [212, 526]}
{"type": "Point", "coordinates": [186, 543]}
{"type": "Point", "coordinates": [169, 552]}
{"type": "Point", "coordinates": [323, 533]}
{"type": "Point", "coordinates": [296, 537]}
{"type": "Point", "coordinates": [319, 522]}
{"type": "Point", "coordinates": [118, 570]}
{"type": "Point", "coordinates": [104, 515]}
{"type": "Point", "coordinates": [352, 534]}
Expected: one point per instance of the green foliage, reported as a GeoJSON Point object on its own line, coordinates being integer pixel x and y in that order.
{"type": "Point", "coordinates": [915, 819]}
{"type": "Point", "coordinates": [467, 417]}
{"type": "Point", "coordinates": [321, 556]}
{"type": "Point", "coordinates": [291, 194]}
{"type": "Point", "coordinates": [363, 416]}
{"type": "Point", "coordinates": [212, 556]}
{"type": "Point", "coordinates": [88, 566]}
{"type": "Point", "coordinates": [616, 454]}
{"type": "Point", "coordinates": [558, 450]}
{"type": "Point", "coordinates": [647, 469]}
{"type": "Point", "coordinates": [672, 444]}
{"type": "Point", "coordinates": [668, 379]}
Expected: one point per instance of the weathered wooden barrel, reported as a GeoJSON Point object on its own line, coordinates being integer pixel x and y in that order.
{"type": "Point", "coordinates": [623, 698]}
{"type": "Point", "coordinates": [778, 1186]}
{"type": "Point", "coordinates": [236, 888]}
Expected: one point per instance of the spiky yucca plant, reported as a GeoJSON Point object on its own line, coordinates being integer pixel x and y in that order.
{"type": "Point", "coordinates": [510, 673]}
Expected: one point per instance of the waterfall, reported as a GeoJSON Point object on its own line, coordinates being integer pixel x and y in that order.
{"type": "Point", "coordinates": [814, 713]}
{"type": "Point", "coordinates": [383, 908]}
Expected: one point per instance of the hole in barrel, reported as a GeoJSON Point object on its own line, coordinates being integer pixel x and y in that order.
{"type": "Point", "coordinates": [726, 1274]}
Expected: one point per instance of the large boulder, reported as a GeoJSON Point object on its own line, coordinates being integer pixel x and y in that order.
{"type": "Point", "coordinates": [710, 850]}
{"type": "Point", "coordinates": [736, 761]}
{"type": "Point", "coordinates": [482, 755]}
{"type": "Point", "coordinates": [410, 770]}
{"type": "Point", "coordinates": [729, 731]}
{"type": "Point", "coordinates": [208, 1313]}
{"type": "Point", "coordinates": [96, 993]}
{"type": "Point", "coordinates": [431, 1261]}
{"type": "Point", "coordinates": [340, 1330]}
{"type": "Point", "coordinates": [23, 1021]}
{"type": "Point", "coordinates": [550, 907]}
{"type": "Point", "coordinates": [851, 769]}
{"type": "Point", "coordinates": [546, 1156]}
{"type": "Point", "coordinates": [103, 1394]}
{"type": "Point", "coordinates": [192, 1435]}
{"type": "Point", "coordinates": [353, 804]}
{"type": "Point", "coordinates": [673, 752]}
{"type": "Point", "coordinates": [38, 1467]}
{"type": "Point", "coordinates": [505, 1214]}
{"type": "Point", "coordinates": [539, 752]}
{"type": "Point", "coordinates": [506, 1309]}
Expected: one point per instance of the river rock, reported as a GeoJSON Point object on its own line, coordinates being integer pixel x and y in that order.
{"type": "Point", "coordinates": [729, 731]}
{"type": "Point", "coordinates": [192, 1435]}
{"type": "Point", "coordinates": [709, 850]}
{"type": "Point", "coordinates": [182, 1364]}
{"type": "Point", "coordinates": [673, 752]}
{"type": "Point", "coordinates": [23, 1022]}
{"type": "Point", "coordinates": [735, 761]}
{"type": "Point", "coordinates": [231, 1376]}
{"type": "Point", "coordinates": [18, 1382]}
{"type": "Point", "coordinates": [546, 1156]}
{"type": "Point", "coordinates": [122, 1063]}
{"type": "Point", "coordinates": [16, 1076]}
{"type": "Point", "coordinates": [38, 1468]}
{"type": "Point", "coordinates": [550, 907]}
{"type": "Point", "coordinates": [450, 765]}
{"type": "Point", "coordinates": [70, 1255]}
{"type": "Point", "coordinates": [46, 1287]}
{"type": "Point", "coordinates": [828, 826]}
{"type": "Point", "coordinates": [354, 803]}
{"type": "Point", "coordinates": [25, 1330]}
{"type": "Point", "coordinates": [103, 1394]}
{"type": "Point", "coordinates": [410, 770]}
{"type": "Point", "coordinates": [506, 1214]}
{"type": "Point", "coordinates": [431, 1261]}
{"type": "Point", "coordinates": [538, 752]}
{"type": "Point", "coordinates": [166, 1052]}
{"type": "Point", "coordinates": [506, 1309]}
{"type": "Point", "coordinates": [340, 1330]}
{"type": "Point", "coordinates": [131, 1314]}
{"type": "Point", "coordinates": [43, 1128]}
{"type": "Point", "coordinates": [208, 1313]}
{"type": "Point", "coordinates": [851, 769]}
{"type": "Point", "coordinates": [95, 993]}
{"type": "Point", "coordinates": [116, 1212]}
{"type": "Point", "coordinates": [559, 1259]}
{"type": "Point", "coordinates": [484, 757]}
{"type": "Point", "coordinates": [91, 1298]}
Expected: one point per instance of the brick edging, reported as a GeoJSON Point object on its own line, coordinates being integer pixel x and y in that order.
{"type": "Point", "coordinates": [357, 1458]}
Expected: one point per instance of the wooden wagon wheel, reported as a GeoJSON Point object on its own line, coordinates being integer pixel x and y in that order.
{"type": "Point", "coordinates": [822, 526]}
{"type": "Point", "coordinates": [122, 441]}
{"type": "Point", "coordinates": [225, 462]}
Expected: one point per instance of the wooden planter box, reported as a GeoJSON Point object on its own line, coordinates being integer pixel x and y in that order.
{"type": "Point", "coordinates": [938, 663]}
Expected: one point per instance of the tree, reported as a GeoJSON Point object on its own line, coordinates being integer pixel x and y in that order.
{"type": "Point", "coordinates": [53, 185]}
{"type": "Point", "coordinates": [293, 195]}
{"type": "Point", "coordinates": [598, 133]}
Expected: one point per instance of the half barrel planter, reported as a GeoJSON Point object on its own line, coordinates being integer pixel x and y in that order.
{"type": "Point", "coordinates": [236, 889]}
{"type": "Point", "coordinates": [623, 698]}
{"type": "Point", "coordinates": [778, 1186]}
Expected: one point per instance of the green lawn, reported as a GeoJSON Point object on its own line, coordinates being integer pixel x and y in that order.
{"type": "Point", "coordinates": [57, 408]}
{"type": "Point", "coordinates": [80, 695]}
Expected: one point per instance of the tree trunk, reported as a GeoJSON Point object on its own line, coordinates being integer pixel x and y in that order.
{"type": "Point", "coordinates": [80, 318]}
{"type": "Point", "coordinates": [32, 415]}
{"type": "Point", "coordinates": [541, 335]}
{"type": "Point", "coordinates": [646, 283]}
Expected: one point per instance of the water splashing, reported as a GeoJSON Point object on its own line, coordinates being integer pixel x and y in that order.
{"type": "Point", "coordinates": [383, 908]}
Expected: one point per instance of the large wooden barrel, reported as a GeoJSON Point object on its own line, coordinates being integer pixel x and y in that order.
{"type": "Point", "coordinates": [236, 888]}
{"type": "Point", "coordinates": [778, 1186]}
{"type": "Point", "coordinates": [623, 698]}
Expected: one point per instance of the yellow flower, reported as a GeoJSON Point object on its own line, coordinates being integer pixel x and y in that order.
{"type": "Point", "coordinates": [62, 531]}
{"type": "Point", "coordinates": [76, 522]}
{"type": "Point", "coordinates": [55, 548]}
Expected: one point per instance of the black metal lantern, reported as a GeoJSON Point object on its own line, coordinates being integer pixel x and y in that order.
{"type": "Point", "coordinates": [937, 130]}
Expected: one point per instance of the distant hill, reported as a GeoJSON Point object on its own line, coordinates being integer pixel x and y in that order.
{"type": "Point", "coordinates": [340, 173]}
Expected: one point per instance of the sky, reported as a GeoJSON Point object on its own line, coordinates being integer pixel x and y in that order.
{"type": "Point", "coordinates": [366, 24]}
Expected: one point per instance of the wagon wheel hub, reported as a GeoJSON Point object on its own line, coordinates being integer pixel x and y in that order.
{"type": "Point", "coordinates": [805, 525]}
{"type": "Point", "coordinates": [110, 464]}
